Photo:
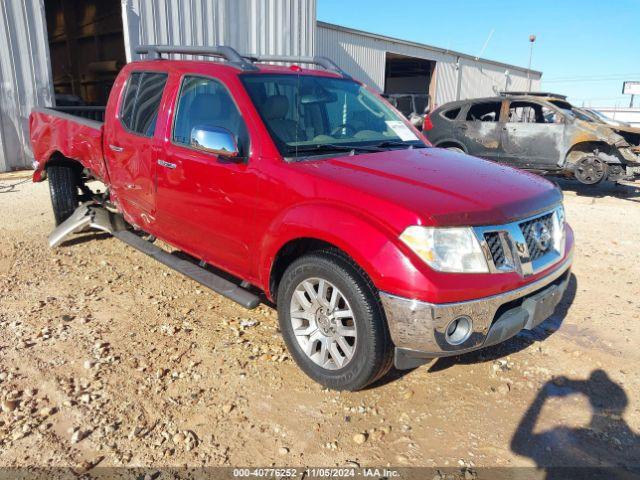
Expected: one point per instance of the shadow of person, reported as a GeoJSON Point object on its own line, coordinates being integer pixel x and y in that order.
{"type": "Point", "coordinates": [605, 448]}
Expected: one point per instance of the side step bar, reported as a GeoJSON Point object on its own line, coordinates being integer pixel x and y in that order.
{"type": "Point", "coordinates": [210, 280]}
{"type": "Point", "coordinates": [91, 215]}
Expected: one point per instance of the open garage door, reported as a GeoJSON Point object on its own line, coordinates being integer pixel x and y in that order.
{"type": "Point", "coordinates": [408, 82]}
{"type": "Point", "coordinates": [86, 45]}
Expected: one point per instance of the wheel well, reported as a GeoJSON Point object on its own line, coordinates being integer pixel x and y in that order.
{"type": "Point", "coordinates": [579, 149]}
{"type": "Point", "coordinates": [448, 144]}
{"type": "Point", "coordinates": [58, 159]}
{"type": "Point", "coordinates": [293, 250]}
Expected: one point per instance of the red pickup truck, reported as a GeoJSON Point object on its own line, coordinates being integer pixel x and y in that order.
{"type": "Point", "coordinates": [303, 188]}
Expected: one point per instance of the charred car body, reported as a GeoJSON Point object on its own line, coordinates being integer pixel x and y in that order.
{"type": "Point", "coordinates": [540, 132]}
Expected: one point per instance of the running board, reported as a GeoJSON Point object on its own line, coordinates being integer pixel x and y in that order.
{"type": "Point", "coordinates": [210, 280]}
{"type": "Point", "coordinates": [92, 215]}
{"type": "Point", "coordinates": [87, 215]}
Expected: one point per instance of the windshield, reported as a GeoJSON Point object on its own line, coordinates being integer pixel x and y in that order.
{"type": "Point", "coordinates": [313, 115]}
{"type": "Point", "coordinates": [570, 110]}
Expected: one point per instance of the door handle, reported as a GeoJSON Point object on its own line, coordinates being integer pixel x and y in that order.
{"type": "Point", "coordinates": [116, 148]}
{"type": "Point", "coordinates": [170, 165]}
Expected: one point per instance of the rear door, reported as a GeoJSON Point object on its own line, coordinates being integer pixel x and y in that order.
{"type": "Point", "coordinates": [131, 145]}
{"type": "Point", "coordinates": [480, 130]}
{"type": "Point", "coordinates": [533, 135]}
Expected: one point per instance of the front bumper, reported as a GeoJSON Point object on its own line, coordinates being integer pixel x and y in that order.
{"type": "Point", "coordinates": [420, 328]}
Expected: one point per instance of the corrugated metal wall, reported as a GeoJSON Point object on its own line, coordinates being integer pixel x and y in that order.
{"type": "Point", "coordinates": [25, 77]}
{"type": "Point", "coordinates": [364, 56]}
{"type": "Point", "coordinates": [250, 26]}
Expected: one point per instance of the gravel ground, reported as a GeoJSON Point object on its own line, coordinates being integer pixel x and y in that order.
{"type": "Point", "coordinates": [109, 358]}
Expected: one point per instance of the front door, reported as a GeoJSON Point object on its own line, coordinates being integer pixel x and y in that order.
{"type": "Point", "coordinates": [533, 135]}
{"type": "Point", "coordinates": [204, 201]}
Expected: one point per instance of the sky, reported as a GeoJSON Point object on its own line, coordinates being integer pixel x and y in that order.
{"type": "Point", "coordinates": [585, 48]}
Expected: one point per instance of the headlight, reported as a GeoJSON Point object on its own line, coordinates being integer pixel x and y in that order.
{"type": "Point", "coordinates": [447, 249]}
{"type": "Point", "coordinates": [559, 229]}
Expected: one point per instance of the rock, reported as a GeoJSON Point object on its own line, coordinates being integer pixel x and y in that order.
{"type": "Point", "coordinates": [79, 435]}
{"type": "Point", "coordinates": [227, 407]}
{"type": "Point", "coordinates": [88, 364]}
{"type": "Point", "coordinates": [9, 405]}
{"type": "Point", "coordinates": [360, 438]}
{"type": "Point", "coordinates": [560, 381]}
{"type": "Point", "coordinates": [402, 459]}
{"type": "Point", "coordinates": [178, 438]}
{"type": "Point", "coordinates": [407, 395]}
{"type": "Point", "coordinates": [283, 451]}
{"type": "Point", "coordinates": [503, 389]}
{"type": "Point", "coordinates": [248, 323]}
{"type": "Point", "coordinates": [377, 435]}
{"type": "Point", "coordinates": [47, 411]}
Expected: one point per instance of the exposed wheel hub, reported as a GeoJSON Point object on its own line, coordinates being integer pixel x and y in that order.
{"type": "Point", "coordinates": [590, 170]}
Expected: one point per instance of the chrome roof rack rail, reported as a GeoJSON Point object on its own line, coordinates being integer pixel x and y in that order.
{"type": "Point", "coordinates": [229, 54]}
{"type": "Point", "coordinates": [323, 62]}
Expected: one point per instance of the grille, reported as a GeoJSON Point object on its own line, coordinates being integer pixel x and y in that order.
{"type": "Point", "coordinates": [528, 229]}
{"type": "Point", "coordinates": [495, 247]}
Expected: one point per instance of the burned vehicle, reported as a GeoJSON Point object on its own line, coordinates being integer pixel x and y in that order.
{"type": "Point", "coordinates": [540, 132]}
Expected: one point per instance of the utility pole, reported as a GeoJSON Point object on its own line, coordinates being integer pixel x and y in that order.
{"type": "Point", "coordinates": [532, 40]}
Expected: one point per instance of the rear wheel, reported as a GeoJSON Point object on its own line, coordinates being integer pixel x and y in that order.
{"type": "Point", "coordinates": [63, 187]}
{"type": "Point", "coordinates": [332, 321]}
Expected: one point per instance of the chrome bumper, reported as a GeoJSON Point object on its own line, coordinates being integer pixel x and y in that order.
{"type": "Point", "coordinates": [421, 327]}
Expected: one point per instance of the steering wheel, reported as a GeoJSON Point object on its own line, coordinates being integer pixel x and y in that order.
{"type": "Point", "coordinates": [346, 128]}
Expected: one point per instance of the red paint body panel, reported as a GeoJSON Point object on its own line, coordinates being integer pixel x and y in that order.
{"type": "Point", "coordinates": [238, 215]}
{"type": "Point", "coordinates": [52, 134]}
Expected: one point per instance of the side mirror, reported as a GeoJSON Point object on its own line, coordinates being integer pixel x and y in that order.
{"type": "Point", "coordinates": [215, 140]}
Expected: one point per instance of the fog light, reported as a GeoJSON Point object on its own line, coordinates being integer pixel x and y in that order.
{"type": "Point", "coordinates": [458, 331]}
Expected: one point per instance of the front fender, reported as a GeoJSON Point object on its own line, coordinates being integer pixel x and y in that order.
{"type": "Point", "coordinates": [370, 243]}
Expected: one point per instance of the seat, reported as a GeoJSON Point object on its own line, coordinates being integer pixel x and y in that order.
{"type": "Point", "coordinates": [276, 108]}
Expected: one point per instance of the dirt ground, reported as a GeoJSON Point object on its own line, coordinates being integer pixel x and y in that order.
{"type": "Point", "coordinates": [109, 358]}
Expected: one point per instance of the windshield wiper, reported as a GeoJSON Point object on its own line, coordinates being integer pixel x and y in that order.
{"type": "Point", "coordinates": [398, 143]}
{"type": "Point", "coordinates": [331, 147]}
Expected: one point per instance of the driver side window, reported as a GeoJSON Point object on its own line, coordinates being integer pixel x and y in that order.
{"type": "Point", "coordinates": [206, 103]}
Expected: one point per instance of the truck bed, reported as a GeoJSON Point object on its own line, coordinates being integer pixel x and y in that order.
{"type": "Point", "coordinates": [66, 131]}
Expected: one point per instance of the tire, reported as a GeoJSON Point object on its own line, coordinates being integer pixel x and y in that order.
{"type": "Point", "coordinates": [365, 352]}
{"type": "Point", "coordinates": [63, 187]}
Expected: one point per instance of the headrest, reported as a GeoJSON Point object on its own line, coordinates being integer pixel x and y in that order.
{"type": "Point", "coordinates": [276, 107]}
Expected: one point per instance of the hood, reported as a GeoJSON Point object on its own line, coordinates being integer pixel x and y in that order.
{"type": "Point", "coordinates": [601, 132]}
{"type": "Point", "coordinates": [441, 187]}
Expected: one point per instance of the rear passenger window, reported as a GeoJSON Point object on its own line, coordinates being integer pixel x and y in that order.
{"type": "Point", "coordinates": [484, 112]}
{"type": "Point", "coordinates": [139, 111]}
{"type": "Point", "coordinates": [451, 114]}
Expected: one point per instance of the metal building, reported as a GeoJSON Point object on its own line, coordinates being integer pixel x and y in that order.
{"type": "Point", "coordinates": [398, 66]}
{"type": "Point", "coordinates": [68, 52]}
{"type": "Point", "coordinates": [76, 47]}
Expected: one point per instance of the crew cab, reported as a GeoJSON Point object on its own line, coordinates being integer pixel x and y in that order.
{"type": "Point", "coordinates": [540, 132]}
{"type": "Point", "coordinates": [310, 192]}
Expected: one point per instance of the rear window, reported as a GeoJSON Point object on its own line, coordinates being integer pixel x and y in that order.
{"type": "Point", "coordinates": [139, 110]}
{"type": "Point", "coordinates": [484, 112]}
{"type": "Point", "coordinates": [451, 114]}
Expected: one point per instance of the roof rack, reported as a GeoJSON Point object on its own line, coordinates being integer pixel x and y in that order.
{"type": "Point", "coordinates": [323, 62]}
{"type": "Point", "coordinates": [243, 62]}
{"type": "Point", "coordinates": [229, 54]}
{"type": "Point", "coordinates": [533, 94]}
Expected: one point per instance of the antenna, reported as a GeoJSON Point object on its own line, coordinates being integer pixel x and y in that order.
{"type": "Point", "coordinates": [484, 47]}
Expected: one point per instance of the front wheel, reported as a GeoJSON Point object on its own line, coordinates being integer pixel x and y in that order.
{"type": "Point", "coordinates": [332, 321]}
